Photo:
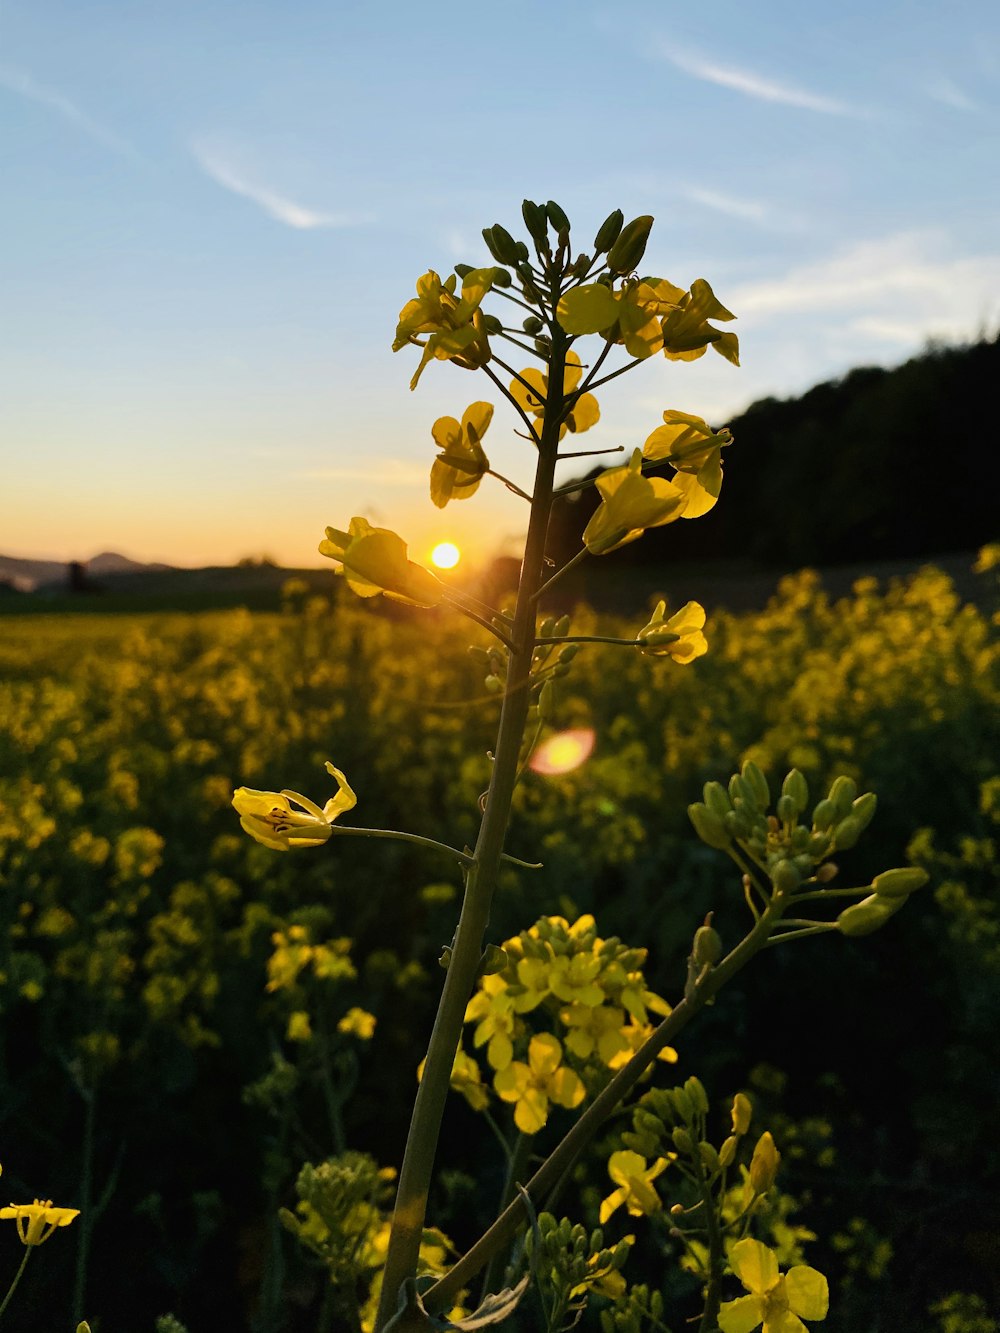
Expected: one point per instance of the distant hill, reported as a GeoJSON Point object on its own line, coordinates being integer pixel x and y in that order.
{"type": "Point", "coordinates": [881, 465]}
{"type": "Point", "coordinates": [31, 575]}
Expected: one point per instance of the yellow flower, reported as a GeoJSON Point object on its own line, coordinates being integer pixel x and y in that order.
{"type": "Point", "coordinates": [631, 503]}
{"type": "Point", "coordinates": [680, 637]}
{"type": "Point", "coordinates": [595, 1030]}
{"type": "Point", "coordinates": [457, 471]}
{"type": "Point", "coordinates": [37, 1221]}
{"type": "Point", "coordinates": [695, 450]}
{"type": "Point", "coordinates": [632, 1176]}
{"type": "Point", "coordinates": [651, 314]}
{"type": "Point", "coordinates": [585, 412]}
{"type": "Point", "coordinates": [533, 1085]}
{"type": "Point", "coordinates": [374, 560]}
{"type": "Point", "coordinates": [778, 1301]}
{"type": "Point", "coordinates": [742, 1112]}
{"type": "Point", "coordinates": [358, 1023]}
{"type": "Point", "coordinates": [268, 816]}
{"type": "Point", "coordinates": [299, 1026]}
{"type": "Point", "coordinates": [466, 1079]}
{"type": "Point", "coordinates": [569, 977]}
{"type": "Point", "coordinates": [455, 324]}
{"type": "Point", "coordinates": [764, 1164]}
{"type": "Point", "coordinates": [687, 332]}
{"type": "Point", "coordinates": [492, 1009]}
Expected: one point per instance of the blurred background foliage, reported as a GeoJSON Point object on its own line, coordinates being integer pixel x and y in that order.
{"type": "Point", "coordinates": [152, 1076]}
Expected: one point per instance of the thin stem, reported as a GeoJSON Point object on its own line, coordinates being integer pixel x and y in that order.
{"type": "Point", "coordinates": [481, 878]}
{"type": "Point", "coordinates": [87, 1218]}
{"type": "Point", "coordinates": [527, 385]}
{"type": "Point", "coordinates": [593, 453]}
{"type": "Point", "coordinates": [480, 620]}
{"type": "Point", "coordinates": [716, 1253]}
{"type": "Point", "coordinates": [588, 382]}
{"type": "Point", "coordinates": [629, 365]}
{"type": "Point", "coordinates": [532, 351]}
{"type": "Point", "coordinates": [801, 934]}
{"type": "Point", "coordinates": [508, 296]}
{"type": "Point", "coordinates": [516, 1167]}
{"type": "Point", "coordinates": [17, 1278]}
{"type": "Point", "coordinates": [511, 399]}
{"type": "Point", "coordinates": [350, 831]}
{"type": "Point", "coordinates": [832, 893]}
{"type": "Point", "coordinates": [509, 484]}
{"type": "Point", "coordinates": [566, 1152]}
{"type": "Point", "coordinates": [592, 638]}
{"type": "Point", "coordinates": [748, 870]}
{"type": "Point", "coordinates": [570, 564]}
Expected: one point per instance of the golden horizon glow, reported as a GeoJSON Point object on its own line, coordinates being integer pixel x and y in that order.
{"type": "Point", "coordinates": [445, 555]}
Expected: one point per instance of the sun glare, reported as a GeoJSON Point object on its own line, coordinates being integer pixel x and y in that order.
{"type": "Point", "coordinates": [446, 555]}
{"type": "Point", "coordinates": [563, 752]}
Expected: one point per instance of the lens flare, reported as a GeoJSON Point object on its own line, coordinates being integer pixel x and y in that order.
{"type": "Point", "coordinates": [446, 555]}
{"type": "Point", "coordinates": [563, 752]}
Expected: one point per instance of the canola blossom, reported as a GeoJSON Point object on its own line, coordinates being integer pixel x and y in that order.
{"type": "Point", "coordinates": [631, 503]}
{"type": "Point", "coordinates": [530, 390]}
{"type": "Point", "coordinates": [681, 637]}
{"type": "Point", "coordinates": [778, 1301]}
{"type": "Point", "coordinates": [37, 1221]}
{"type": "Point", "coordinates": [462, 464]}
{"type": "Point", "coordinates": [533, 1085]}
{"type": "Point", "coordinates": [373, 561]}
{"type": "Point", "coordinates": [271, 818]}
{"type": "Point", "coordinates": [635, 1188]}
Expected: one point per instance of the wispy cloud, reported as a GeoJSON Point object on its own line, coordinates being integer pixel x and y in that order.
{"type": "Point", "coordinates": [755, 85]}
{"type": "Point", "coordinates": [748, 210]}
{"type": "Point", "coordinates": [950, 94]}
{"type": "Point", "coordinates": [278, 206]}
{"type": "Point", "coordinates": [17, 81]}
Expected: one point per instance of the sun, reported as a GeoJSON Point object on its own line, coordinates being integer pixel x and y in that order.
{"type": "Point", "coordinates": [446, 555]}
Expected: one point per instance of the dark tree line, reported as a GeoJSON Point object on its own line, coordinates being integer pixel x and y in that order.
{"type": "Point", "coordinates": [879, 465]}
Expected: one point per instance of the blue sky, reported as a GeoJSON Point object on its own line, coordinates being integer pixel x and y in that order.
{"type": "Point", "coordinates": [214, 211]}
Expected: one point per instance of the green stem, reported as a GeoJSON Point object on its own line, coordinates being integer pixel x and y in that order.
{"type": "Point", "coordinates": [86, 1212]}
{"type": "Point", "coordinates": [570, 564]}
{"type": "Point", "coordinates": [801, 934]}
{"type": "Point", "coordinates": [532, 351]}
{"type": "Point", "coordinates": [348, 831]}
{"type": "Point", "coordinates": [716, 1253]}
{"type": "Point", "coordinates": [565, 1153]}
{"type": "Point", "coordinates": [593, 638]}
{"type": "Point", "coordinates": [17, 1278]}
{"type": "Point", "coordinates": [459, 604]}
{"type": "Point", "coordinates": [481, 879]}
{"type": "Point", "coordinates": [511, 399]}
{"type": "Point", "coordinates": [509, 484]}
{"type": "Point", "coordinates": [517, 1165]}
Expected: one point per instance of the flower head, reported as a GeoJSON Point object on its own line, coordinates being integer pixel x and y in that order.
{"type": "Point", "coordinates": [37, 1221]}
{"type": "Point", "coordinates": [695, 450]}
{"type": "Point", "coordinates": [585, 411]}
{"type": "Point", "coordinates": [270, 818]}
{"type": "Point", "coordinates": [631, 503]}
{"type": "Point", "coordinates": [373, 560]}
{"type": "Point", "coordinates": [455, 324]}
{"type": "Point", "coordinates": [458, 470]}
{"type": "Point", "coordinates": [542, 1080]}
{"type": "Point", "coordinates": [680, 637]}
{"type": "Point", "coordinates": [779, 1301]}
{"type": "Point", "coordinates": [633, 1177]}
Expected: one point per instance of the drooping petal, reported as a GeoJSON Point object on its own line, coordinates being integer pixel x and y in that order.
{"type": "Point", "coordinates": [741, 1315]}
{"type": "Point", "coordinates": [345, 798]}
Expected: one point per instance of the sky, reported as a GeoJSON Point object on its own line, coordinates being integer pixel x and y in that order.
{"type": "Point", "coordinates": [213, 211]}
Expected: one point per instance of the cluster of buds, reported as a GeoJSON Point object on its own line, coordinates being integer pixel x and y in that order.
{"type": "Point", "coordinates": [570, 1263]}
{"type": "Point", "coordinates": [794, 853]}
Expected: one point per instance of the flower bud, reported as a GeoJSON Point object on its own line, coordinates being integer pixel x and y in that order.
{"type": "Point", "coordinates": [785, 877]}
{"type": "Point", "coordinates": [742, 1111]}
{"type": "Point", "coordinates": [737, 825]}
{"type": "Point", "coordinates": [682, 1140]}
{"type": "Point", "coordinates": [463, 270]}
{"type": "Point", "coordinates": [708, 826]}
{"type": "Point", "coordinates": [863, 809]}
{"type": "Point", "coordinates": [899, 883]}
{"type": "Point", "coordinates": [842, 794]}
{"type": "Point", "coordinates": [696, 1091]}
{"type": "Point", "coordinates": [494, 685]}
{"type": "Point", "coordinates": [824, 815]}
{"type": "Point", "coordinates": [709, 1156]}
{"type": "Point", "coordinates": [785, 809]}
{"type": "Point", "coordinates": [796, 789]}
{"type": "Point", "coordinates": [827, 872]}
{"type": "Point", "coordinates": [546, 702]}
{"type": "Point", "coordinates": [561, 626]}
{"type": "Point", "coordinates": [846, 834]}
{"type": "Point", "coordinates": [707, 948]}
{"type": "Point", "coordinates": [727, 1153]}
{"type": "Point", "coordinates": [716, 798]}
{"type": "Point", "coordinates": [569, 652]}
{"type": "Point", "coordinates": [503, 246]}
{"type": "Point", "coordinates": [532, 325]}
{"type": "Point", "coordinates": [630, 246]}
{"type": "Point", "coordinates": [752, 774]}
{"type": "Point", "coordinates": [534, 220]}
{"type": "Point", "coordinates": [764, 1164]}
{"type": "Point", "coordinates": [869, 915]}
{"type": "Point", "coordinates": [494, 960]}
{"type": "Point", "coordinates": [556, 216]}
{"type": "Point", "coordinates": [608, 232]}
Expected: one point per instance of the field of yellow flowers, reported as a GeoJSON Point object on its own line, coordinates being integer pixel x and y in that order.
{"type": "Point", "coordinates": [190, 1017]}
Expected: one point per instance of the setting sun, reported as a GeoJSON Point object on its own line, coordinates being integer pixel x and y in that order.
{"type": "Point", "coordinates": [446, 555]}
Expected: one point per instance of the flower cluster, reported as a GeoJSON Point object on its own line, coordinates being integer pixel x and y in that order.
{"type": "Point", "coordinates": [573, 1005]}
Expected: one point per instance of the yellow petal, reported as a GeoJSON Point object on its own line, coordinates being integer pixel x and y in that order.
{"type": "Point", "coordinates": [588, 309]}
{"type": "Point", "coordinates": [531, 1112]}
{"type": "Point", "coordinates": [807, 1291]}
{"type": "Point", "coordinates": [742, 1315]}
{"type": "Point", "coordinates": [586, 413]}
{"type": "Point", "coordinates": [755, 1265]}
{"type": "Point", "coordinates": [544, 1054]}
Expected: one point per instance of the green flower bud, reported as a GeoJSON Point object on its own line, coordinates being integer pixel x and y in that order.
{"type": "Point", "coordinates": [492, 325]}
{"type": "Point", "coordinates": [696, 1091]}
{"type": "Point", "coordinates": [630, 246]}
{"type": "Point", "coordinates": [803, 863]}
{"type": "Point", "coordinates": [869, 915]}
{"type": "Point", "coordinates": [842, 793]}
{"type": "Point", "coordinates": [506, 250]}
{"type": "Point", "coordinates": [818, 843]}
{"type": "Point", "coordinates": [547, 628]}
{"type": "Point", "coordinates": [546, 701]}
{"type": "Point", "coordinates": [785, 809]}
{"type": "Point", "coordinates": [846, 834]}
{"type": "Point", "coordinates": [556, 216]}
{"type": "Point", "coordinates": [479, 655]}
{"type": "Point", "coordinates": [609, 231]}
{"type": "Point", "coordinates": [716, 798]}
{"type": "Point", "coordinates": [863, 809]}
{"type": "Point", "coordinates": [561, 626]}
{"type": "Point", "coordinates": [463, 270]}
{"type": "Point", "coordinates": [491, 243]}
{"type": "Point", "coordinates": [740, 790]}
{"type": "Point", "coordinates": [707, 949]}
{"type": "Point", "coordinates": [532, 324]}
{"type": "Point", "coordinates": [827, 872]}
{"type": "Point", "coordinates": [681, 1105]}
{"type": "Point", "coordinates": [824, 815]}
{"type": "Point", "coordinates": [796, 789]}
{"type": "Point", "coordinates": [727, 1153]}
{"type": "Point", "coordinates": [709, 1156]}
{"type": "Point", "coordinates": [682, 1140]}
{"type": "Point", "coordinates": [758, 783]}
{"type": "Point", "coordinates": [785, 877]}
{"type": "Point", "coordinates": [534, 220]}
{"type": "Point", "coordinates": [569, 652]}
{"type": "Point", "coordinates": [522, 251]}
{"type": "Point", "coordinates": [737, 825]}
{"type": "Point", "coordinates": [494, 960]}
{"type": "Point", "coordinates": [900, 883]}
{"type": "Point", "coordinates": [764, 1164]}
{"type": "Point", "coordinates": [708, 826]}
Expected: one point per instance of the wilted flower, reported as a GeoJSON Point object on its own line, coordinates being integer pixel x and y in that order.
{"type": "Point", "coordinates": [269, 817]}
